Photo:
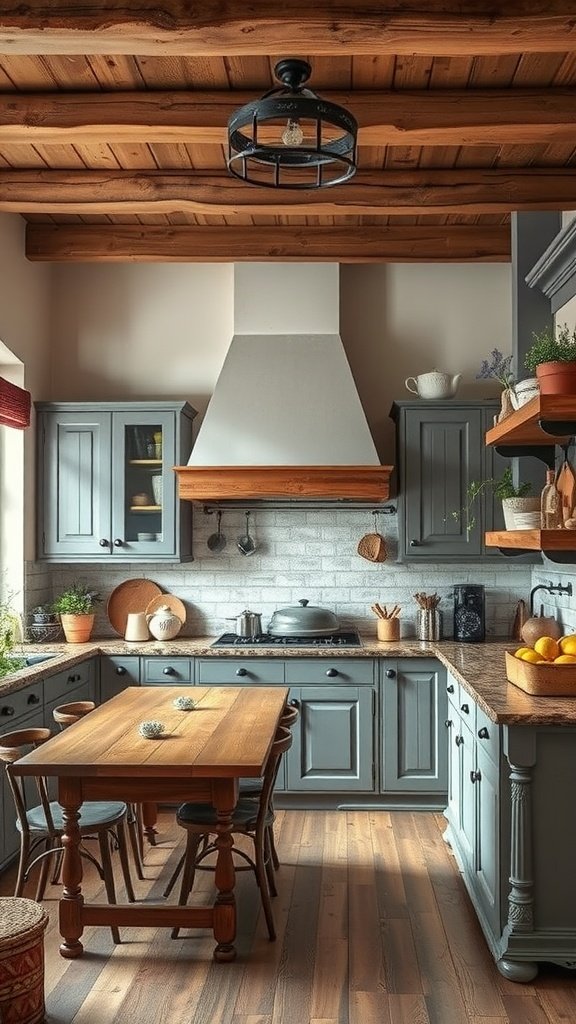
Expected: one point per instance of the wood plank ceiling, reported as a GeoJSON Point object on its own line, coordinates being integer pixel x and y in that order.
{"type": "Point", "coordinates": [113, 126]}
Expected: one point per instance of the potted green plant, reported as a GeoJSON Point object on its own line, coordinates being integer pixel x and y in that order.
{"type": "Point", "coordinates": [514, 499]}
{"type": "Point", "coordinates": [76, 609]}
{"type": "Point", "coordinates": [552, 357]}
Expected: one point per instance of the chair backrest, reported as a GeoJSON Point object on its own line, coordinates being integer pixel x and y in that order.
{"type": "Point", "coordinates": [67, 714]}
{"type": "Point", "coordinates": [13, 746]}
{"type": "Point", "coordinates": [289, 716]}
{"type": "Point", "coordinates": [282, 743]}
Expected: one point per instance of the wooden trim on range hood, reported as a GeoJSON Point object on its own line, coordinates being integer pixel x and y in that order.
{"type": "Point", "coordinates": [352, 483]}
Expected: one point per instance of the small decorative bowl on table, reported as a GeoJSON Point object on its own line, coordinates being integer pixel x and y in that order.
{"type": "Point", "coordinates": [541, 679]}
{"type": "Point", "coordinates": [151, 729]}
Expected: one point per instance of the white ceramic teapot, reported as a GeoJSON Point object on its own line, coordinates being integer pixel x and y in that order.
{"type": "Point", "coordinates": [434, 384]}
{"type": "Point", "coordinates": [163, 623]}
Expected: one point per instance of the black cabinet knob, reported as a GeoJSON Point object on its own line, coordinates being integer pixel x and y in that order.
{"type": "Point", "coordinates": [414, 543]}
{"type": "Point", "coordinates": [7, 710]}
{"type": "Point", "coordinates": [390, 673]}
{"type": "Point", "coordinates": [448, 723]}
{"type": "Point", "coordinates": [104, 543]}
{"type": "Point", "coordinates": [294, 703]}
{"type": "Point", "coordinates": [331, 672]}
{"type": "Point", "coordinates": [33, 698]}
{"type": "Point", "coordinates": [241, 672]}
{"type": "Point", "coordinates": [483, 733]}
{"type": "Point", "coordinates": [450, 688]}
{"type": "Point", "coordinates": [475, 776]}
{"type": "Point", "coordinates": [169, 671]}
{"type": "Point", "coordinates": [118, 543]}
{"type": "Point", "coordinates": [120, 670]}
{"type": "Point", "coordinates": [465, 708]}
{"type": "Point", "coordinates": [459, 741]}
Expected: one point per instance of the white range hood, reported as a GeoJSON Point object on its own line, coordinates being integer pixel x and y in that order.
{"type": "Point", "coordinates": [285, 420]}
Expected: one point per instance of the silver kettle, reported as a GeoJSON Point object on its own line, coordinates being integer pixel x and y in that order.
{"type": "Point", "coordinates": [248, 624]}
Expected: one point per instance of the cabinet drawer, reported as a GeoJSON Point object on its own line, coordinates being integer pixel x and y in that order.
{"type": "Point", "coordinates": [166, 671]}
{"type": "Point", "coordinates": [116, 673]}
{"type": "Point", "coordinates": [333, 671]}
{"type": "Point", "coordinates": [60, 685]}
{"type": "Point", "coordinates": [238, 671]}
{"type": "Point", "coordinates": [467, 709]}
{"type": "Point", "coordinates": [22, 702]}
{"type": "Point", "coordinates": [488, 733]}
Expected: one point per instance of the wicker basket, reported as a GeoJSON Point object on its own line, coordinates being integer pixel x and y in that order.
{"type": "Point", "coordinates": [545, 680]}
{"type": "Point", "coordinates": [22, 926]}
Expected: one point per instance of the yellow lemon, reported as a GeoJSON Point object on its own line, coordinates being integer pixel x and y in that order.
{"type": "Point", "coordinates": [565, 659]}
{"type": "Point", "coordinates": [568, 644]}
{"type": "Point", "coordinates": [532, 656]}
{"type": "Point", "coordinates": [547, 647]}
{"type": "Point", "coordinates": [521, 652]}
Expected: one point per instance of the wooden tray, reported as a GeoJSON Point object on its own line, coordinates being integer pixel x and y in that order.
{"type": "Point", "coordinates": [130, 596]}
{"type": "Point", "coordinates": [541, 680]}
{"type": "Point", "coordinates": [171, 601]}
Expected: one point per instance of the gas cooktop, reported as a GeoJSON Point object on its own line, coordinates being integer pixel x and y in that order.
{"type": "Point", "coordinates": [265, 640]}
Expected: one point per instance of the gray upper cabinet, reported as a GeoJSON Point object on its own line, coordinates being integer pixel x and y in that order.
{"type": "Point", "coordinates": [107, 491]}
{"type": "Point", "coordinates": [440, 451]}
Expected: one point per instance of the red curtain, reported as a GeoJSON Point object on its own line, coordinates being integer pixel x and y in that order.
{"type": "Point", "coordinates": [14, 405]}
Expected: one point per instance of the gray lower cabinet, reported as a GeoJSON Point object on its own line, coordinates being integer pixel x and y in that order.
{"type": "Point", "coordinates": [160, 671]}
{"type": "Point", "coordinates": [440, 451]}
{"type": "Point", "coordinates": [116, 673]}
{"type": "Point", "coordinates": [77, 683]}
{"type": "Point", "coordinates": [333, 748]}
{"type": "Point", "coordinates": [413, 733]}
{"type": "Point", "coordinates": [106, 487]}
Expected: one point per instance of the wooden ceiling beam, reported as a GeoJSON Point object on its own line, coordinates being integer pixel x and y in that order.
{"type": "Point", "coordinates": [217, 193]}
{"type": "Point", "coordinates": [293, 27]}
{"type": "Point", "coordinates": [443, 117]}
{"type": "Point", "coordinates": [127, 243]}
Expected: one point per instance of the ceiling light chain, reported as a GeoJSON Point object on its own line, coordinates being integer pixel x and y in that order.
{"type": "Point", "coordinates": [291, 138]}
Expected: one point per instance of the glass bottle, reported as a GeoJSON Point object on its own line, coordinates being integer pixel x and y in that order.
{"type": "Point", "coordinates": [550, 504]}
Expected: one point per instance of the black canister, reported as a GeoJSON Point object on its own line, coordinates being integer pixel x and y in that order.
{"type": "Point", "coordinates": [469, 621]}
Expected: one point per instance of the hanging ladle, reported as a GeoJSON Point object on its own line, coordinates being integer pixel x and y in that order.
{"type": "Point", "coordinates": [217, 541]}
{"type": "Point", "coordinates": [246, 544]}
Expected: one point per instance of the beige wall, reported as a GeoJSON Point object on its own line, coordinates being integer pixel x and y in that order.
{"type": "Point", "coordinates": [25, 303]}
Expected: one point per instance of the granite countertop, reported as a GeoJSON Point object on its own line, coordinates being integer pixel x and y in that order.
{"type": "Point", "coordinates": [478, 667]}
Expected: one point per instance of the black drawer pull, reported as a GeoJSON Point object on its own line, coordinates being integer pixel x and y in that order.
{"type": "Point", "coordinates": [331, 672]}
{"type": "Point", "coordinates": [465, 708]}
{"type": "Point", "coordinates": [120, 670]}
{"type": "Point", "coordinates": [241, 672]}
{"type": "Point", "coordinates": [169, 671]}
{"type": "Point", "coordinates": [7, 710]}
{"type": "Point", "coordinates": [475, 776]}
{"type": "Point", "coordinates": [450, 688]}
{"type": "Point", "coordinates": [483, 733]}
{"type": "Point", "coordinates": [448, 723]}
{"type": "Point", "coordinates": [390, 673]}
{"type": "Point", "coordinates": [459, 741]}
{"type": "Point", "coordinates": [33, 698]}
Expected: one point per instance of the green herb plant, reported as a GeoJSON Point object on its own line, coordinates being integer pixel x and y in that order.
{"type": "Point", "coordinates": [10, 632]}
{"type": "Point", "coordinates": [77, 600]}
{"type": "Point", "coordinates": [552, 345]}
{"type": "Point", "coordinates": [502, 488]}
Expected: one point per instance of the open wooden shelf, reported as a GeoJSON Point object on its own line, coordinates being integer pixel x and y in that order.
{"type": "Point", "coordinates": [145, 462]}
{"type": "Point", "coordinates": [533, 540]}
{"type": "Point", "coordinates": [523, 427]}
{"type": "Point", "coordinates": [145, 508]}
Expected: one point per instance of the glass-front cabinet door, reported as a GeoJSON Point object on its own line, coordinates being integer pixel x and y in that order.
{"type": "Point", "coordinates": [143, 496]}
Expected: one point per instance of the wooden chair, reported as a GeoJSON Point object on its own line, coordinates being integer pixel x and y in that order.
{"type": "Point", "coordinates": [67, 714]}
{"type": "Point", "coordinates": [41, 825]}
{"type": "Point", "coordinates": [251, 818]}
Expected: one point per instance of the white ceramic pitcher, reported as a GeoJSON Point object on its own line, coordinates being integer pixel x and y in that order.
{"type": "Point", "coordinates": [136, 627]}
{"type": "Point", "coordinates": [164, 624]}
{"type": "Point", "coordinates": [434, 384]}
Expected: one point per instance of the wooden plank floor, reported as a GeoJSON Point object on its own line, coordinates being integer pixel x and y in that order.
{"type": "Point", "coordinates": [374, 927]}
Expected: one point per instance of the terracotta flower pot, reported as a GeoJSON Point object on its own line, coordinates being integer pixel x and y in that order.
{"type": "Point", "coordinates": [557, 378]}
{"type": "Point", "coordinates": [77, 628]}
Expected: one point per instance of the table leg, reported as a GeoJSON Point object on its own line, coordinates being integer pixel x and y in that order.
{"type": "Point", "coordinates": [225, 797]}
{"type": "Point", "coordinates": [72, 901]}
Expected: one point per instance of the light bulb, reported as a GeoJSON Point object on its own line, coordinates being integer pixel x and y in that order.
{"type": "Point", "coordinates": [292, 134]}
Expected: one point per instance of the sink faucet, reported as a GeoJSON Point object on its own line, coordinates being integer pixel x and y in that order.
{"type": "Point", "coordinates": [550, 588]}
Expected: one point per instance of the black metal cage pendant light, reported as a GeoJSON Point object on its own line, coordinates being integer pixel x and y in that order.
{"type": "Point", "coordinates": [291, 138]}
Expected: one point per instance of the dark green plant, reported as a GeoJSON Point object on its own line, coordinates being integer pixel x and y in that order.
{"type": "Point", "coordinates": [10, 631]}
{"type": "Point", "coordinates": [502, 488]}
{"type": "Point", "coordinates": [77, 600]}
{"type": "Point", "coordinates": [552, 345]}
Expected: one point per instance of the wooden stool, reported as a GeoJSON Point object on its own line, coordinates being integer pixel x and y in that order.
{"type": "Point", "coordinates": [22, 926]}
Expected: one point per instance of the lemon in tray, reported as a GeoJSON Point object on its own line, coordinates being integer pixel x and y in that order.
{"type": "Point", "coordinates": [546, 669]}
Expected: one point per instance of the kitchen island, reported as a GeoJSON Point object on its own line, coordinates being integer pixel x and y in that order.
{"type": "Point", "coordinates": [511, 765]}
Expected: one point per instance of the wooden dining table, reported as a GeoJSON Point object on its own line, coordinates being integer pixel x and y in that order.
{"type": "Point", "coordinates": [200, 757]}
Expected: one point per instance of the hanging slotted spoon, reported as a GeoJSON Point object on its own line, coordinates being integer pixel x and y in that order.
{"type": "Point", "coordinates": [217, 541]}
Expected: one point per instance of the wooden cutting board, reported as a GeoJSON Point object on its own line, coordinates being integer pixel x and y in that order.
{"type": "Point", "coordinates": [566, 487]}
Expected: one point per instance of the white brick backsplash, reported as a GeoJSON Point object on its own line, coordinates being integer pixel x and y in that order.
{"type": "Point", "coordinates": [303, 554]}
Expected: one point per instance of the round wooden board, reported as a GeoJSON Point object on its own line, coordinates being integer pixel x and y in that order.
{"type": "Point", "coordinates": [169, 600]}
{"type": "Point", "coordinates": [130, 596]}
